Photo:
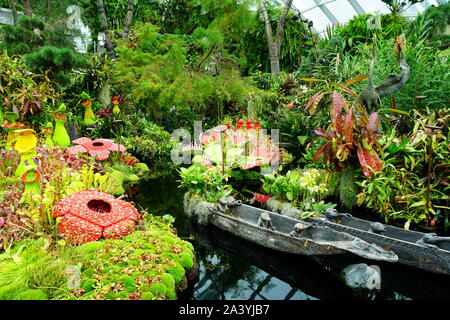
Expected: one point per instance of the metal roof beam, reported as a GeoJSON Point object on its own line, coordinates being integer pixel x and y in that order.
{"type": "Point", "coordinates": [323, 7]}
{"type": "Point", "coordinates": [357, 7]}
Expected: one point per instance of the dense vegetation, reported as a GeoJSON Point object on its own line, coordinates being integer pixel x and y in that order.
{"type": "Point", "coordinates": [180, 61]}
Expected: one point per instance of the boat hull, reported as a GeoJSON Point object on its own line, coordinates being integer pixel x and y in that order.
{"type": "Point", "coordinates": [430, 258]}
{"type": "Point", "coordinates": [271, 239]}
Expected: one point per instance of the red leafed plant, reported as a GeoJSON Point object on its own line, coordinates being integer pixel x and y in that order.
{"type": "Point", "coordinates": [348, 132]}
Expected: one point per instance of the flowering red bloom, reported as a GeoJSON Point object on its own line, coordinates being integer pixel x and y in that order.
{"type": "Point", "coordinates": [233, 105]}
{"type": "Point", "coordinates": [205, 139]}
{"type": "Point", "coordinates": [290, 106]}
{"type": "Point", "coordinates": [257, 125]}
{"type": "Point", "coordinates": [99, 148]}
{"type": "Point", "coordinates": [262, 198]}
{"type": "Point", "coordinates": [91, 214]}
{"type": "Point", "coordinates": [116, 100]}
{"type": "Point", "coordinates": [207, 164]}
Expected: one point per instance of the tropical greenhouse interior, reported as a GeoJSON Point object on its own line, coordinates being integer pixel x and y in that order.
{"type": "Point", "coordinates": [224, 150]}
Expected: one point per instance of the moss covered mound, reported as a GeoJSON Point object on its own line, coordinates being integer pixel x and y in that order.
{"type": "Point", "coordinates": [149, 264]}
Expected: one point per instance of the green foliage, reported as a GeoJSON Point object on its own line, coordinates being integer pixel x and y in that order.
{"type": "Point", "coordinates": [431, 24]}
{"type": "Point", "coordinates": [305, 189]}
{"type": "Point", "coordinates": [154, 71]}
{"type": "Point", "coordinates": [429, 73]}
{"type": "Point", "coordinates": [152, 145]}
{"type": "Point", "coordinates": [22, 92]}
{"type": "Point", "coordinates": [31, 33]}
{"type": "Point", "coordinates": [57, 61]}
{"type": "Point", "coordinates": [399, 191]}
{"type": "Point", "coordinates": [357, 30]}
{"type": "Point", "coordinates": [42, 50]}
{"type": "Point", "coordinates": [251, 48]}
{"type": "Point", "coordinates": [205, 182]}
{"type": "Point", "coordinates": [398, 6]}
{"type": "Point", "coordinates": [31, 272]}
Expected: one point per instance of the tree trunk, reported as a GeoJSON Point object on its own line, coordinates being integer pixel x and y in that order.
{"type": "Point", "coordinates": [274, 44]}
{"type": "Point", "coordinates": [27, 8]}
{"type": "Point", "coordinates": [128, 19]}
{"type": "Point", "coordinates": [105, 28]}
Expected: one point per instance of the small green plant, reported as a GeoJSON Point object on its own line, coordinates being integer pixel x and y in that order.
{"type": "Point", "coordinates": [208, 182]}
{"type": "Point", "coordinates": [305, 189]}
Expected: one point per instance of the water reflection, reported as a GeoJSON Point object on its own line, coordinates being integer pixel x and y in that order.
{"type": "Point", "coordinates": [231, 268]}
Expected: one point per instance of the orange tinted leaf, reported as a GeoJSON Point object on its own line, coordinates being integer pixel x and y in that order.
{"type": "Point", "coordinates": [314, 101]}
{"type": "Point", "coordinates": [336, 112]}
{"type": "Point", "coordinates": [356, 79]}
{"type": "Point", "coordinates": [369, 163]}
{"type": "Point", "coordinates": [348, 128]}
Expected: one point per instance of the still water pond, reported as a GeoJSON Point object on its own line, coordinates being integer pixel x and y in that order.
{"type": "Point", "coordinates": [234, 269]}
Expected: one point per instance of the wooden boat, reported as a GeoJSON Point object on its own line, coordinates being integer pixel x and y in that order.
{"type": "Point", "coordinates": [421, 250]}
{"type": "Point", "coordinates": [290, 235]}
{"type": "Point", "coordinates": [320, 276]}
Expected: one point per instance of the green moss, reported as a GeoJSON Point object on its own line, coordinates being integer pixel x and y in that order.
{"type": "Point", "coordinates": [91, 247]}
{"type": "Point", "coordinates": [186, 260]}
{"type": "Point", "coordinates": [128, 282]}
{"type": "Point", "coordinates": [145, 287]}
{"type": "Point", "coordinates": [176, 271]}
{"type": "Point", "coordinates": [110, 296]}
{"type": "Point", "coordinates": [133, 263]}
{"type": "Point", "coordinates": [32, 294]}
{"type": "Point", "coordinates": [147, 296]}
{"type": "Point", "coordinates": [89, 272]}
{"type": "Point", "coordinates": [188, 245]}
{"type": "Point", "coordinates": [88, 285]}
{"type": "Point", "coordinates": [169, 282]}
{"type": "Point", "coordinates": [158, 289]}
{"type": "Point", "coordinates": [122, 294]}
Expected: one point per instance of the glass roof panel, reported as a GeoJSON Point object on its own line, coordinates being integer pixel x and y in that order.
{"type": "Point", "coordinates": [318, 18]}
{"type": "Point", "coordinates": [342, 10]}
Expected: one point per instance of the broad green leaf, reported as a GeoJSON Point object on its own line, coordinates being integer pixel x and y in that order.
{"type": "Point", "coordinates": [214, 153]}
{"type": "Point", "coordinates": [289, 195]}
{"type": "Point", "coordinates": [198, 158]}
{"type": "Point", "coordinates": [418, 204]}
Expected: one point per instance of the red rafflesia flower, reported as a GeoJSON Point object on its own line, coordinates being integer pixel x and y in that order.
{"type": "Point", "coordinates": [91, 214]}
{"type": "Point", "coordinates": [99, 148]}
